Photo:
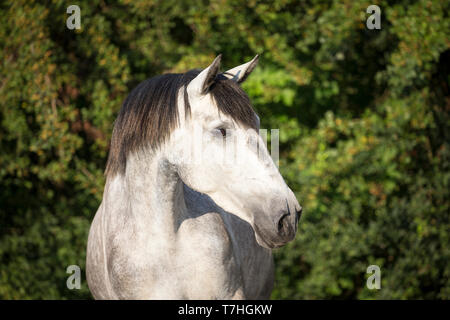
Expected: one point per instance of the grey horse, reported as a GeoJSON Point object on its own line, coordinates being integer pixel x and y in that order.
{"type": "Point", "coordinates": [180, 218]}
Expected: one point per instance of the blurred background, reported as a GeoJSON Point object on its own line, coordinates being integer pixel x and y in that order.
{"type": "Point", "coordinates": [363, 118]}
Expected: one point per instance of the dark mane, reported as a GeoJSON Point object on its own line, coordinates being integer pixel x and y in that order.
{"type": "Point", "coordinates": [150, 113]}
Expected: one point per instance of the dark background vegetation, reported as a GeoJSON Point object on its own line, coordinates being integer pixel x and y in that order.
{"type": "Point", "coordinates": [363, 118]}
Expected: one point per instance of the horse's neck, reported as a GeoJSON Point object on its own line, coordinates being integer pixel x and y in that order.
{"type": "Point", "coordinates": [153, 194]}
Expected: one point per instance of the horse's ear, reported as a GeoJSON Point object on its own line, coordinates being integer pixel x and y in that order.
{"type": "Point", "coordinates": [201, 83]}
{"type": "Point", "coordinates": [240, 73]}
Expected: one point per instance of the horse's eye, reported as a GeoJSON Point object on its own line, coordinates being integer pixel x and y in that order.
{"type": "Point", "coordinates": [223, 132]}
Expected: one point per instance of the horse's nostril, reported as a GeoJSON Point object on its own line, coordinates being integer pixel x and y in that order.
{"type": "Point", "coordinates": [281, 222]}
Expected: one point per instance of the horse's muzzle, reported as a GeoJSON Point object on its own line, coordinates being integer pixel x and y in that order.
{"type": "Point", "coordinates": [276, 232]}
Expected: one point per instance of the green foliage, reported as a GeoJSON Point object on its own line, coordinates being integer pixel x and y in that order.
{"type": "Point", "coordinates": [363, 118]}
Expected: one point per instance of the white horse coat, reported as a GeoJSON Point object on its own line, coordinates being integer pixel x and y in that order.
{"type": "Point", "coordinates": [172, 226]}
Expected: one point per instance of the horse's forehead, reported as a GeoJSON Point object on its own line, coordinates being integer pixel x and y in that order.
{"type": "Point", "coordinates": [205, 108]}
